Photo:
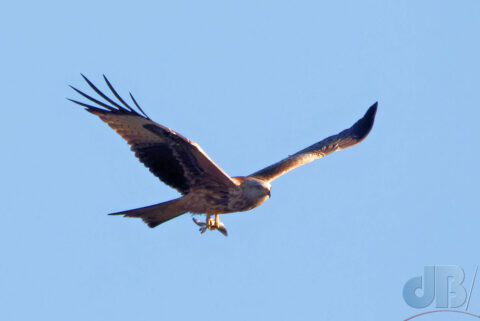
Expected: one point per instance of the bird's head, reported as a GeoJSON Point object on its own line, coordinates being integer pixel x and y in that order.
{"type": "Point", "coordinates": [255, 188]}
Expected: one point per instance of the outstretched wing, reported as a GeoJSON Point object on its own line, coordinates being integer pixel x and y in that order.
{"type": "Point", "coordinates": [174, 159]}
{"type": "Point", "coordinates": [344, 139]}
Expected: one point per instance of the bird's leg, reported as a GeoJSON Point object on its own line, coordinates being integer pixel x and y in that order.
{"type": "Point", "coordinates": [210, 223]}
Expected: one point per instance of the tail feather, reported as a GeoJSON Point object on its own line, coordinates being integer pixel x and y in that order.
{"type": "Point", "coordinates": [157, 214]}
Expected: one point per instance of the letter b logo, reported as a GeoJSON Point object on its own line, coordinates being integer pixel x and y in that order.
{"type": "Point", "coordinates": [442, 282]}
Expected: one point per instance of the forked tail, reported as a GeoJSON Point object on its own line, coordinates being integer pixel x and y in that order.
{"type": "Point", "coordinates": [156, 214]}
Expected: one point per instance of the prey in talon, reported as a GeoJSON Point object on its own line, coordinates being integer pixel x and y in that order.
{"type": "Point", "coordinates": [180, 163]}
{"type": "Point", "coordinates": [211, 224]}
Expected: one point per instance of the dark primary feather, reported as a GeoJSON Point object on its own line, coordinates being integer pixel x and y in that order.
{"type": "Point", "coordinates": [174, 159]}
{"type": "Point", "coordinates": [344, 139]}
{"type": "Point", "coordinates": [116, 109]}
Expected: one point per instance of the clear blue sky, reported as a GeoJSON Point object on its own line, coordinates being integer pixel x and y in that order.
{"type": "Point", "coordinates": [251, 82]}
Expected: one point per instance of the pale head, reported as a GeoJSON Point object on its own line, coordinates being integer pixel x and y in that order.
{"type": "Point", "coordinates": [255, 189]}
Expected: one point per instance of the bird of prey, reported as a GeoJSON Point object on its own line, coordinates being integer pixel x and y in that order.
{"type": "Point", "coordinates": [183, 165]}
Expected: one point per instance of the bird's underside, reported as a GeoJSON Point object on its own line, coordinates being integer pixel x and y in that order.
{"type": "Point", "coordinates": [183, 165]}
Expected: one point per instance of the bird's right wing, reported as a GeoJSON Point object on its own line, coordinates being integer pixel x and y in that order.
{"type": "Point", "coordinates": [176, 160]}
{"type": "Point", "coordinates": [344, 139]}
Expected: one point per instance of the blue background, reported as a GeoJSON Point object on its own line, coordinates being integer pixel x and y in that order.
{"type": "Point", "coordinates": [251, 82]}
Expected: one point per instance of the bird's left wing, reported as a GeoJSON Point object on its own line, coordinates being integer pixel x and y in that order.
{"type": "Point", "coordinates": [174, 159]}
{"type": "Point", "coordinates": [344, 139]}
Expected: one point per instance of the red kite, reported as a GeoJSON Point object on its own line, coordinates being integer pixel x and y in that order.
{"type": "Point", "coordinates": [183, 165]}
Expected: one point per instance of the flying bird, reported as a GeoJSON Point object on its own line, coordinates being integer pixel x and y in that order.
{"type": "Point", "coordinates": [183, 165]}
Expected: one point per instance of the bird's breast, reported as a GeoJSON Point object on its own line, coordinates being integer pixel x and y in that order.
{"type": "Point", "coordinates": [211, 201]}
{"type": "Point", "coordinates": [243, 202]}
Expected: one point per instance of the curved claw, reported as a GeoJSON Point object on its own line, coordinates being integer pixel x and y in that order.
{"type": "Point", "coordinates": [202, 230]}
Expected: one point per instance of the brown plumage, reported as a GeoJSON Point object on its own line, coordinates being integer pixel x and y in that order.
{"type": "Point", "coordinates": [183, 165]}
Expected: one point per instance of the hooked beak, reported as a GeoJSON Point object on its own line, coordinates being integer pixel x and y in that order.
{"type": "Point", "coordinates": [268, 194]}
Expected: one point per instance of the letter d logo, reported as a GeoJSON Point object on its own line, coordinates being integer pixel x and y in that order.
{"type": "Point", "coordinates": [415, 283]}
